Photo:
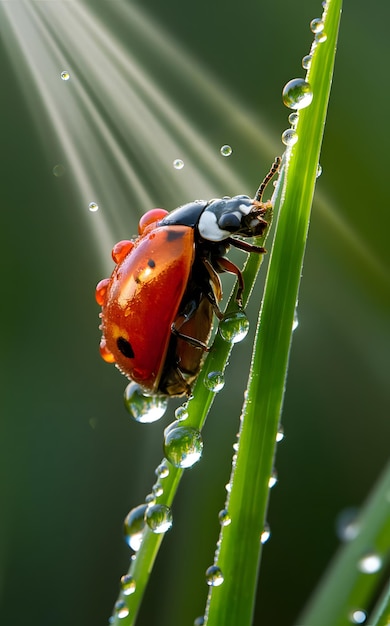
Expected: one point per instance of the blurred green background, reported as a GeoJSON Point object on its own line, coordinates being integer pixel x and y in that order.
{"type": "Point", "coordinates": [150, 82]}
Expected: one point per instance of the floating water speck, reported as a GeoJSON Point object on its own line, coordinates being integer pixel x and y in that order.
{"type": "Point", "coordinates": [289, 137]}
{"type": "Point", "coordinates": [178, 164]}
{"type": "Point", "coordinates": [58, 170]}
{"type": "Point", "coordinates": [65, 75]}
{"type": "Point", "coordinates": [226, 150]}
{"type": "Point", "coordinates": [297, 94]}
{"type": "Point", "coordinates": [93, 207]}
{"type": "Point", "coordinates": [143, 408]}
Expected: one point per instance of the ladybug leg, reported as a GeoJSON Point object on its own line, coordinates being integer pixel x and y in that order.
{"type": "Point", "coordinates": [244, 245]}
{"type": "Point", "coordinates": [187, 314]}
{"type": "Point", "coordinates": [227, 266]}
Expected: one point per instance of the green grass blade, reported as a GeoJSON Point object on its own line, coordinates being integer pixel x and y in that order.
{"type": "Point", "coordinates": [348, 586]}
{"type": "Point", "coordinates": [238, 556]}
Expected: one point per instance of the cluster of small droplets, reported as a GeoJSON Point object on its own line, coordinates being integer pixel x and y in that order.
{"type": "Point", "coordinates": [143, 408]}
{"type": "Point", "coordinates": [297, 93]}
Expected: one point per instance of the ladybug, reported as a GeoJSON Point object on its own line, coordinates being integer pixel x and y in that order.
{"type": "Point", "coordinates": [158, 304]}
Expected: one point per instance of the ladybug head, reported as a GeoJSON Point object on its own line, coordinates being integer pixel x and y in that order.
{"type": "Point", "coordinates": [240, 215]}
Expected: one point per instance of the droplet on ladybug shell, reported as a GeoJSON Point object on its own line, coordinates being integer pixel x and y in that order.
{"type": "Point", "coordinates": [149, 218]}
{"type": "Point", "coordinates": [101, 289]}
{"type": "Point", "coordinates": [121, 250]}
{"type": "Point", "coordinates": [105, 353]}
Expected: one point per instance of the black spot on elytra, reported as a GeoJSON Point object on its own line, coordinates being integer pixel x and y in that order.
{"type": "Point", "coordinates": [124, 346]}
{"type": "Point", "coordinates": [151, 263]}
{"type": "Point", "coordinates": [174, 234]}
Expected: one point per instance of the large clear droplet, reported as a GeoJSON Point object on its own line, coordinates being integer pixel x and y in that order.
{"type": "Point", "coordinates": [297, 94]}
{"type": "Point", "coordinates": [183, 446]}
{"type": "Point", "coordinates": [226, 150]}
{"type": "Point", "coordinates": [143, 408]}
{"type": "Point", "coordinates": [159, 518]}
{"type": "Point", "coordinates": [134, 526]}
{"type": "Point", "coordinates": [234, 327]}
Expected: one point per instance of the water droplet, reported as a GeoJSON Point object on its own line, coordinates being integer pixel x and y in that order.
{"type": "Point", "coordinates": [266, 534]}
{"type": "Point", "coordinates": [370, 563]}
{"type": "Point", "coordinates": [319, 170]}
{"type": "Point", "coordinates": [358, 616]}
{"type": "Point", "coordinates": [226, 150]}
{"type": "Point", "coordinates": [178, 164]}
{"type": "Point", "coordinates": [317, 25]}
{"type": "Point", "coordinates": [280, 434]}
{"type": "Point", "coordinates": [199, 621]}
{"type": "Point", "coordinates": [297, 94]}
{"type": "Point", "coordinates": [306, 61]}
{"type": "Point", "coordinates": [214, 576]}
{"type": "Point", "coordinates": [181, 413]}
{"type": "Point", "coordinates": [157, 490]}
{"type": "Point", "coordinates": [58, 170]}
{"type": "Point", "coordinates": [347, 527]}
{"type": "Point", "coordinates": [224, 517]}
{"type": "Point", "coordinates": [293, 119]}
{"type": "Point", "coordinates": [121, 609]}
{"type": "Point", "coordinates": [143, 408]}
{"type": "Point", "coordinates": [150, 498]}
{"type": "Point", "coordinates": [295, 323]}
{"type": "Point", "coordinates": [128, 585]}
{"type": "Point", "coordinates": [183, 446]}
{"type": "Point", "coordinates": [214, 381]}
{"type": "Point", "coordinates": [162, 471]}
{"type": "Point", "coordinates": [159, 518]}
{"type": "Point", "coordinates": [320, 37]}
{"type": "Point", "coordinates": [65, 75]}
{"type": "Point", "coordinates": [93, 207]}
{"type": "Point", "coordinates": [134, 526]}
{"type": "Point", "coordinates": [289, 137]}
{"type": "Point", "coordinates": [234, 327]}
{"type": "Point", "coordinates": [273, 479]}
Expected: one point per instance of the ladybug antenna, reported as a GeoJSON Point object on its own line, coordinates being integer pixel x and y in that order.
{"type": "Point", "coordinates": [271, 174]}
